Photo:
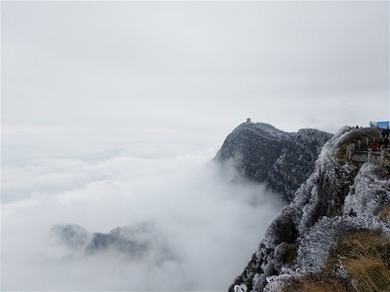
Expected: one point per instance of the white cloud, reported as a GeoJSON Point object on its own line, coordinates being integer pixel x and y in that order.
{"type": "Point", "coordinates": [210, 222]}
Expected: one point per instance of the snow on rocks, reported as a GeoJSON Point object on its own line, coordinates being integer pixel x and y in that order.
{"type": "Point", "coordinates": [370, 192]}
{"type": "Point", "coordinates": [338, 197]}
{"type": "Point", "coordinates": [280, 159]}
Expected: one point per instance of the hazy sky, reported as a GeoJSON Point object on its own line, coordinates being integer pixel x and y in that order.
{"type": "Point", "coordinates": [292, 64]}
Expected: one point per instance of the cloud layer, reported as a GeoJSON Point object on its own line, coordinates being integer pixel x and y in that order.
{"type": "Point", "coordinates": [208, 220]}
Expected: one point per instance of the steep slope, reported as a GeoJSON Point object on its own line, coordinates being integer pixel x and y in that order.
{"type": "Point", "coordinates": [282, 160]}
{"type": "Point", "coordinates": [340, 200]}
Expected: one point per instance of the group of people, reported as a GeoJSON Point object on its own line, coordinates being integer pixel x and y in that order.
{"type": "Point", "coordinates": [385, 133]}
{"type": "Point", "coordinates": [378, 145]}
{"type": "Point", "coordinates": [383, 143]}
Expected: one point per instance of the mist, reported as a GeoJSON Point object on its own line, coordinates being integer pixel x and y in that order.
{"type": "Point", "coordinates": [209, 219]}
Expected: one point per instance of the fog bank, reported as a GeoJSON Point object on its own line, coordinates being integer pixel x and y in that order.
{"type": "Point", "coordinates": [206, 219]}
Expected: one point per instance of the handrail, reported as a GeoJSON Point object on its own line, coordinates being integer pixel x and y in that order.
{"type": "Point", "coordinates": [355, 152]}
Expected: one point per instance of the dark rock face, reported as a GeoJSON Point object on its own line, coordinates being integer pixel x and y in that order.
{"type": "Point", "coordinates": [339, 197]}
{"type": "Point", "coordinates": [138, 241]}
{"type": "Point", "coordinates": [72, 235]}
{"type": "Point", "coordinates": [282, 160]}
{"type": "Point", "coordinates": [116, 241]}
{"type": "Point", "coordinates": [132, 241]}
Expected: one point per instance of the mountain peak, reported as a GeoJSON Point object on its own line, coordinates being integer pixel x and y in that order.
{"type": "Point", "coordinates": [281, 159]}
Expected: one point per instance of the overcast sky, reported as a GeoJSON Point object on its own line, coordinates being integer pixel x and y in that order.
{"type": "Point", "coordinates": [292, 64]}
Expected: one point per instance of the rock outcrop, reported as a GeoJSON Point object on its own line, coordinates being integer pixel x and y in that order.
{"type": "Point", "coordinates": [340, 199]}
{"type": "Point", "coordinates": [135, 242]}
{"type": "Point", "coordinates": [280, 159]}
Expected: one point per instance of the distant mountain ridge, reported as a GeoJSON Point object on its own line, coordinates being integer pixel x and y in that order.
{"type": "Point", "coordinates": [141, 240]}
{"type": "Point", "coordinates": [281, 159]}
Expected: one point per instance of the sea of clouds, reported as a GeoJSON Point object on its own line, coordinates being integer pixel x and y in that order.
{"type": "Point", "coordinates": [209, 220]}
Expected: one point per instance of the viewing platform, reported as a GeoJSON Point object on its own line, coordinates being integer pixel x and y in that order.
{"type": "Point", "coordinates": [363, 152]}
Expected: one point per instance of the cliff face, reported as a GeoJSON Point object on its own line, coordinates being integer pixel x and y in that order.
{"type": "Point", "coordinates": [280, 159]}
{"type": "Point", "coordinates": [340, 200]}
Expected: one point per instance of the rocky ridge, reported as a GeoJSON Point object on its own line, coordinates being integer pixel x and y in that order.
{"type": "Point", "coordinates": [134, 242]}
{"type": "Point", "coordinates": [281, 159]}
{"type": "Point", "coordinates": [340, 199]}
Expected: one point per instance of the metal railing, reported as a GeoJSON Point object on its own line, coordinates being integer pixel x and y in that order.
{"type": "Point", "coordinates": [362, 152]}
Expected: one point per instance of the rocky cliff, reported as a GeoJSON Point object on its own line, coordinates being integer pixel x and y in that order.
{"type": "Point", "coordinates": [280, 159]}
{"type": "Point", "coordinates": [335, 234]}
